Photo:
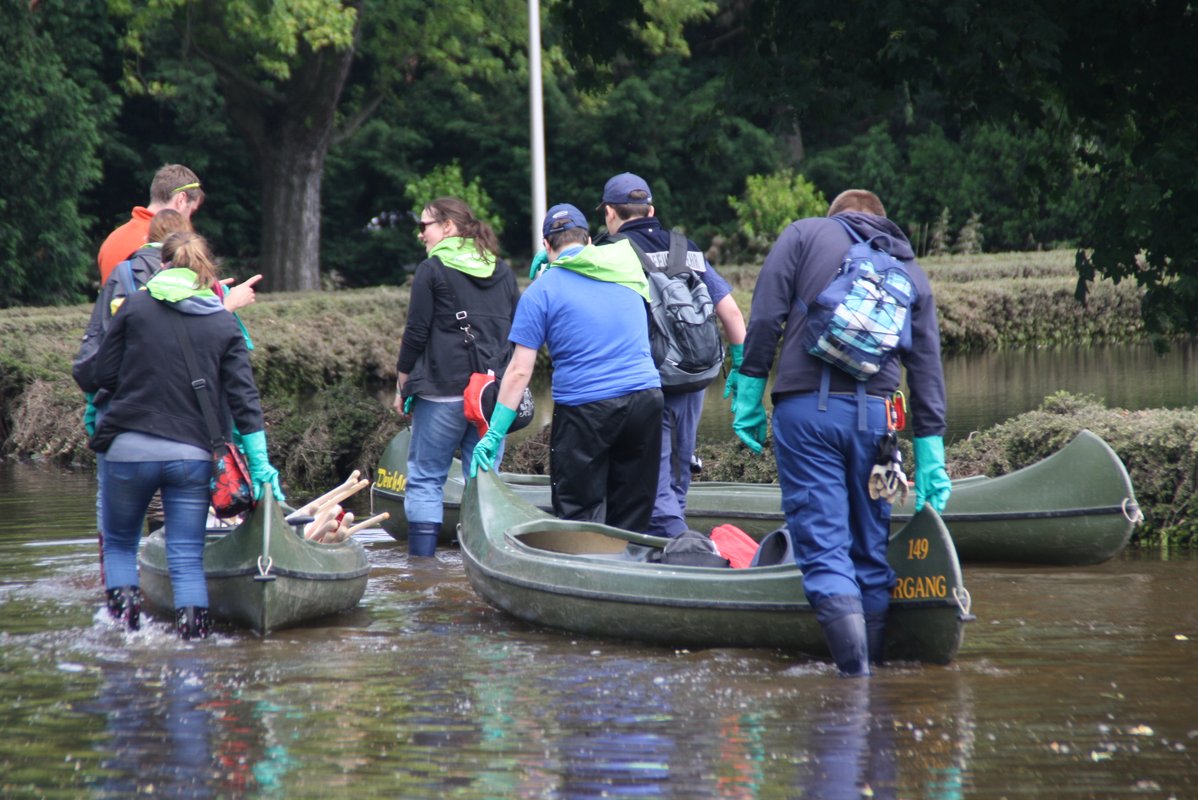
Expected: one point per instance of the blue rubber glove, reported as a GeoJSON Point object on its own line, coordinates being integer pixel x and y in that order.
{"type": "Point", "coordinates": [261, 471]}
{"type": "Point", "coordinates": [484, 452]}
{"type": "Point", "coordinates": [89, 415]}
{"type": "Point", "coordinates": [538, 262]}
{"type": "Point", "coordinates": [738, 358]}
{"type": "Point", "coordinates": [931, 478]}
{"type": "Point", "coordinates": [408, 403]}
{"type": "Point", "coordinates": [748, 414]}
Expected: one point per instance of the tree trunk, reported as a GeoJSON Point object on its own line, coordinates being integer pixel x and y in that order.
{"type": "Point", "coordinates": [291, 180]}
{"type": "Point", "coordinates": [290, 127]}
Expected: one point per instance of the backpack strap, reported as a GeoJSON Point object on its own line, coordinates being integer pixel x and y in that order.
{"type": "Point", "coordinates": [676, 261]}
{"type": "Point", "coordinates": [124, 275]}
{"type": "Point", "coordinates": [881, 242]}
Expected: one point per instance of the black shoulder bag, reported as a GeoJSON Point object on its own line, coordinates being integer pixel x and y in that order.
{"type": "Point", "coordinates": [482, 390]}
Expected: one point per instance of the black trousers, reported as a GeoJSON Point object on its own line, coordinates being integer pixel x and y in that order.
{"type": "Point", "coordinates": [603, 459]}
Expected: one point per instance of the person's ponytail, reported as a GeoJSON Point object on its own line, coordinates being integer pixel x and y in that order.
{"type": "Point", "coordinates": [190, 250]}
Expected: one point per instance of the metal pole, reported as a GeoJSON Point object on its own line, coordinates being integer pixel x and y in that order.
{"type": "Point", "coordinates": [536, 121]}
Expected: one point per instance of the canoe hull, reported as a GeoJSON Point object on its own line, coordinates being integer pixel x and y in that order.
{"type": "Point", "coordinates": [600, 595]}
{"type": "Point", "coordinates": [1074, 508]}
{"type": "Point", "coordinates": [262, 575]}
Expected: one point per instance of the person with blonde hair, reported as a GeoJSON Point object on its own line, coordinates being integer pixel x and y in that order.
{"type": "Point", "coordinates": [153, 434]}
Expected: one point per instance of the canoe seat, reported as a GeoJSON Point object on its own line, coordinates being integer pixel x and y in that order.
{"type": "Point", "coordinates": [573, 542]}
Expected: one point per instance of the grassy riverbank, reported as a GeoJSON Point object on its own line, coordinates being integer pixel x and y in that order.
{"type": "Point", "coordinates": [325, 362]}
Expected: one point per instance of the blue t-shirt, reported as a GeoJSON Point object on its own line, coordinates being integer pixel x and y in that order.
{"type": "Point", "coordinates": [597, 333]}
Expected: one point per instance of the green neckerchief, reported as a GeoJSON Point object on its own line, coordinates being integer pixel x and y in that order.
{"type": "Point", "coordinates": [175, 284]}
{"type": "Point", "coordinates": [613, 263]}
{"type": "Point", "coordinates": [458, 253]}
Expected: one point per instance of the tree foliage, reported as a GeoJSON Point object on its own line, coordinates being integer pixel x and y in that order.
{"type": "Point", "coordinates": [51, 130]}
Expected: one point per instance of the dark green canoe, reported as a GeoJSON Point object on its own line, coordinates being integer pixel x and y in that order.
{"type": "Point", "coordinates": [262, 575]}
{"type": "Point", "coordinates": [572, 576]}
{"type": "Point", "coordinates": [1075, 507]}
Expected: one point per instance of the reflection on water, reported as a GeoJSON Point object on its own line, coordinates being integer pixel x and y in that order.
{"type": "Point", "coordinates": [1080, 678]}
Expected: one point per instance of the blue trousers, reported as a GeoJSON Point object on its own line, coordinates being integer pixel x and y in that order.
{"type": "Point", "coordinates": [438, 431]}
{"type": "Point", "coordinates": [840, 534]}
{"type": "Point", "coordinates": [128, 487]}
{"type": "Point", "coordinates": [679, 430]}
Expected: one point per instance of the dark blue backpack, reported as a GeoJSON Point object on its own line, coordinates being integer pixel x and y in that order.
{"type": "Point", "coordinates": [863, 317]}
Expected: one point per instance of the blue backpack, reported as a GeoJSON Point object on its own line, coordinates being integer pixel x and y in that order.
{"type": "Point", "coordinates": [863, 317]}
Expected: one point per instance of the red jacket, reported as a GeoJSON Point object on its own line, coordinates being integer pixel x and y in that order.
{"type": "Point", "coordinates": [124, 241]}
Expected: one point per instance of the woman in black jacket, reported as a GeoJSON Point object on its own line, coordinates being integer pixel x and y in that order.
{"type": "Point", "coordinates": [462, 274]}
{"type": "Point", "coordinates": [153, 434]}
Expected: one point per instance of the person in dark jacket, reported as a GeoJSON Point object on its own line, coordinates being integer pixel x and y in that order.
{"type": "Point", "coordinates": [628, 210]}
{"type": "Point", "coordinates": [462, 273]}
{"type": "Point", "coordinates": [153, 434]}
{"type": "Point", "coordinates": [828, 426]}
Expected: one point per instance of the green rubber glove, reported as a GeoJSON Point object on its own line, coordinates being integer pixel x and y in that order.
{"type": "Point", "coordinates": [738, 358]}
{"type": "Point", "coordinates": [484, 452]}
{"type": "Point", "coordinates": [238, 441]}
{"type": "Point", "coordinates": [89, 414]}
{"type": "Point", "coordinates": [538, 263]}
{"type": "Point", "coordinates": [261, 471]}
{"type": "Point", "coordinates": [931, 478]}
{"type": "Point", "coordinates": [748, 414]}
{"type": "Point", "coordinates": [408, 403]}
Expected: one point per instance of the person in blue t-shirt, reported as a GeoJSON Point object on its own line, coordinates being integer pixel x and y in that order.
{"type": "Point", "coordinates": [628, 211]}
{"type": "Point", "coordinates": [590, 309]}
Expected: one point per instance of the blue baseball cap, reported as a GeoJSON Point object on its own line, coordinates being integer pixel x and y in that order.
{"type": "Point", "coordinates": [626, 188]}
{"type": "Point", "coordinates": [562, 217]}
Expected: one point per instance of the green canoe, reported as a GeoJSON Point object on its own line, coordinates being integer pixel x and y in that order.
{"type": "Point", "coordinates": [1075, 507]}
{"type": "Point", "coordinates": [572, 576]}
{"type": "Point", "coordinates": [262, 575]}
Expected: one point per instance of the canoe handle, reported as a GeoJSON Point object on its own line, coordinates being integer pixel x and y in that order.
{"type": "Point", "coordinates": [1131, 510]}
{"type": "Point", "coordinates": [264, 567]}
{"type": "Point", "coordinates": [964, 602]}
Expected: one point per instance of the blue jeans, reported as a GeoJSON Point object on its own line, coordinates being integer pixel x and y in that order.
{"type": "Point", "coordinates": [438, 429]}
{"type": "Point", "coordinates": [679, 429]}
{"type": "Point", "coordinates": [128, 487]}
{"type": "Point", "coordinates": [840, 533]}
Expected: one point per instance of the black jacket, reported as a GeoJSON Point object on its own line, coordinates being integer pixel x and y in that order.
{"type": "Point", "coordinates": [803, 261]}
{"type": "Point", "coordinates": [141, 362]}
{"type": "Point", "coordinates": [434, 353]}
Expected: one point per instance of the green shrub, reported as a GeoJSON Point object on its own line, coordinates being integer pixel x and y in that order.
{"type": "Point", "coordinates": [771, 202]}
{"type": "Point", "coordinates": [447, 181]}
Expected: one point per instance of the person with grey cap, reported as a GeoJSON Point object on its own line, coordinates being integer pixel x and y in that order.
{"type": "Point", "coordinates": [628, 210]}
{"type": "Point", "coordinates": [589, 308]}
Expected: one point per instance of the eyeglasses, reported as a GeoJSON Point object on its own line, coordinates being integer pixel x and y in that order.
{"type": "Point", "coordinates": [422, 224]}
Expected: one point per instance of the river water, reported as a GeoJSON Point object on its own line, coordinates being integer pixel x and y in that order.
{"type": "Point", "coordinates": [1071, 683]}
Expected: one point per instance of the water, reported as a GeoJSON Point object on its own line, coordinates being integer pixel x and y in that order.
{"type": "Point", "coordinates": [988, 388]}
{"type": "Point", "coordinates": [1072, 682]}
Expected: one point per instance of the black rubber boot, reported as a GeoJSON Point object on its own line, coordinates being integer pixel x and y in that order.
{"type": "Point", "coordinates": [124, 603]}
{"type": "Point", "coordinates": [843, 622]}
{"type": "Point", "coordinates": [875, 636]}
{"type": "Point", "coordinates": [422, 538]}
{"type": "Point", "coordinates": [192, 622]}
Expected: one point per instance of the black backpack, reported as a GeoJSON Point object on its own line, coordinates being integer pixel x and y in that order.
{"type": "Point", "coordinates": [683, 333]}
